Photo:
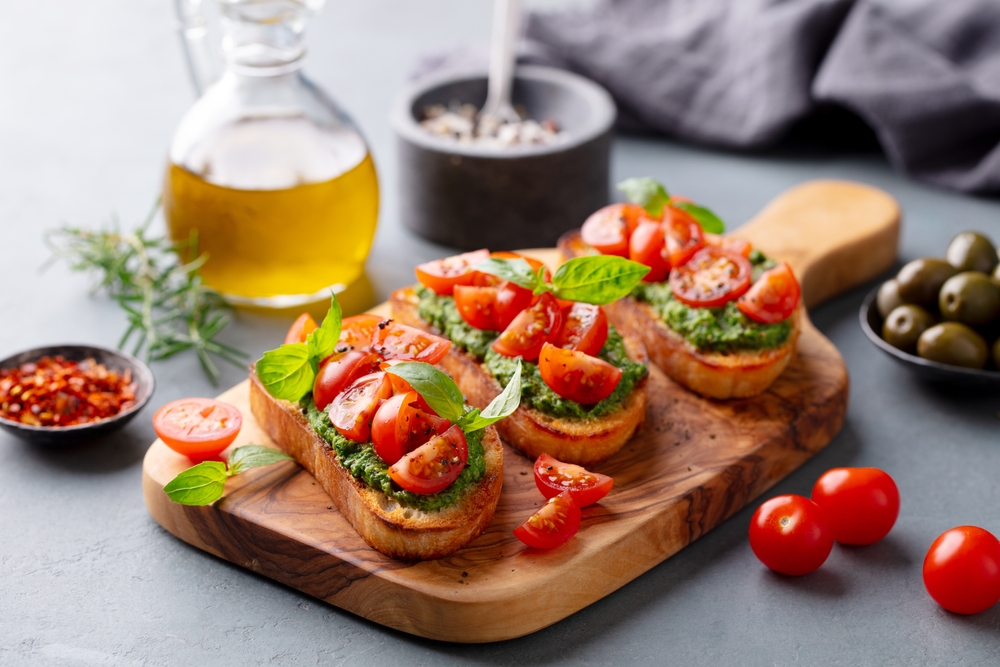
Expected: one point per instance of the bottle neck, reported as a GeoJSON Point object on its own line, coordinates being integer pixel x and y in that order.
{"type": "Point", "coordinates": [264, 38]}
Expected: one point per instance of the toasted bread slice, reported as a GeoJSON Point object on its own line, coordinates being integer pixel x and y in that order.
{"type": "Point", "coordinates": [580, 441]}
{"type": "Point", "coordinates": [714, 374]}
{"type": "Point", "coordinates": [394, 529]}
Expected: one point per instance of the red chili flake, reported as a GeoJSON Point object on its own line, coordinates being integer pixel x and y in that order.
{"type": "Point", "coordinates": [54, 391]}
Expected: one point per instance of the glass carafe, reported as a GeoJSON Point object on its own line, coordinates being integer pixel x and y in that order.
{"type": "Point", "coordinates": [271, 176]}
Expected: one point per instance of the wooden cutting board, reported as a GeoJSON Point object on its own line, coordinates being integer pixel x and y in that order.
{"type": "Point", "coordinates": [694, 463]}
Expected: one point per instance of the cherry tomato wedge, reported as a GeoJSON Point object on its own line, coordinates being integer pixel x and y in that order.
{"type": "Point", "coordinates": [861, 503]}
{"type": "Point", "coordinates": [397, 341]}
{"type": "Point", "coordinates": [401, 425]}
{"type": "Point", "coordinates": [442, 275]}
{"type": "Point", "coordinates": [199, 428]}
{"type": "Point", "coordinates": [711, 278]}
{"type": "Point", "coordinates": [731, 243]}
{"type": "Point", "coordinates": [773, 297]}
{"type": "Point", "coordinates": [338, 371]}
{"type": "Point", "coordinates": [433, 466]}
{"type": "Point", "coordinates": [577, 376]}
{"type": "Point", "coordinates": [607, 230]}
{"type": "Point", "coordinates": [684, 236]}
{"type": "Point", "coordinates": [356, 332]}
{"type": "Point", "coordinates": [351, 413]}
{"type": "Point", "coordinates": [790, 534]}
{"type": "Point", "coordinates": [962, 570]}
{"type": "Point", "coordinates": [511, 300]}
{"type": "Point", "coordinates": [300, 329]}
{"type": "Point", "coordinates": [585, 328]}
{"type": "Point", "coordinates": [552, 477]}
{"type": "Point", "coordinates": [554, 524]}
{"type": "Point", "coordinates": [532, 328]}
{"type": "Point", "coordinates": [646, 246]}
{"type": "Point", "coordinates": [477, 306]}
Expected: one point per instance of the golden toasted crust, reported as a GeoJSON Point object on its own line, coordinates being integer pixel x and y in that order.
{"type": "Point", "coordinates": [393, 529]}
{"type": "Point", "coordinates": [583, 442]}
{"type": "Point", "coordinates": [713, 374]}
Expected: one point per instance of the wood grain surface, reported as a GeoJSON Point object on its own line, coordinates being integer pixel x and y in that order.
{"type": "Point", "coordinates": [693, 463]}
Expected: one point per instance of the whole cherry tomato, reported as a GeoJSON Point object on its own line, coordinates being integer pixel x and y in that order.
{"type": "Point", "coordinates": [300, 329]}
{"type": "Point", "coordinates": [773, 297]}
{"type": "Point", "coordinates": [554, 524]}
{"type": "Point", "coordinates": [646, 246]}
{"type": "Point", "coordinates": [199, 428]}
{"type": "Point", "coordinates": [962, 570]}
{"type": "Point", "coordinates": [791, 534]}
{"type": "Point", "coordinates": [861, 503]}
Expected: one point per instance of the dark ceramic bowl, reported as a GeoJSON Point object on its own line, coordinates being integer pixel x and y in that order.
{"type": "Point", "coordinates": [469, 197]}
{"type": "Point", "coordinates": [70, 435]}
{"type": "Point", "coordinates": [933, 371]}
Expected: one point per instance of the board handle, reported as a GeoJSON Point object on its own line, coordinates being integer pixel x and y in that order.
{"type": "Point", "coordinates": [835, 235]}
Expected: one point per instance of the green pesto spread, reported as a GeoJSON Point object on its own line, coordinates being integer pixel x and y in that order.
{"type": "Point", "coordinates": [363, 463]}
{"type": "Point", "coordinates": [441, 313]}
{"type": "Point", "coordinates": [723, 329]}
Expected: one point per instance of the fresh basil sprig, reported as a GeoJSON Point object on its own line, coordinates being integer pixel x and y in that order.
{"type": "Point", "coordinates": [204, 483]}
{"type": "Point", "coordinates": [652, 196]}
{"type": "Point", "coordinates": [596, 279]}
{"type": "Point", "coordinates": [444, 397]}
{"type": "Point", "coordinates": [289, 371]}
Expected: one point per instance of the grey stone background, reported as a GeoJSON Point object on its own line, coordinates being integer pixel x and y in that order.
{"type": "Point", "coordinates": [89, 95]}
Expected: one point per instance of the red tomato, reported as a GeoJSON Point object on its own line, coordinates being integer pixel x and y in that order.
{"type": "Point", "coordinates": [554, 524]}
{"type": "Point", "coordinates": [774, 297]}
{"type": "Point", "coordinates": [351, 413]}
{"type": "Point", "coordinates": [731, 243]}
{"type": "Point", "coordinates": [511, 300]}
{"type": "Point", "coordinates": [791, 535]}
{"type": "Point", "coordinates": [442, 275]}
{"type": "Point", "coordinates": [300, 329]}
{"type": "Point", "coordinates": [401, 425]}
{"type": "Point", "coordinates": [684, 236]}
{"type": "Point", "coordinates": [861, 503]}
{"type": "Point", "coordinates": [338, 371]}
{"type": "Point", "coordinates": [608, 229]}
{"type": "Point", "coordinates": [585, 328]}
{"type": "Point", "coordinates": [711, 278]}
{"type": "Point", "coordinates": [552, 477]}
{"type": "Point", "coordinates": [646, 246]}
{"type": "Point", "coordinates": [962, 570]}
{"type": "Point", "coordinates": [399, 385]}
{"type": "Point", "coordinates": [397, 341]}
{"type": "Point", "coordinates": [199, 428]}
{"type": "Point", "coordinates": [532, 328]}
{"type": "Point", "coordinates": [356, 332]}
{"type": "Point", "coordinates": [433, 466]}
{"type": "Point", "coordinates": [577, 376]}
{"type": "Point", "coordinates": [477, 306]}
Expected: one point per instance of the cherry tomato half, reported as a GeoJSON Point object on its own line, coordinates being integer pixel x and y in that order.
{"type": "Point", "coordinates": [351, 413]}
{"type": "Point", "coordinates": [646, 246]}
{"type": "Point", "coordinates": [684, 236]}
{"type": "Point", "coordinates": [433, 466]}
{"type": "Point", "coordinates": [962, 570]}
{"type": "Point", "coordinates": [401, 425]}
{"type": "Point", "coordinates": [554, 524]}
{"type": "Point", "coordinates": [477, 306]}
{"type": "Point", "coordinates": [585, 328]}
{"type": "Point", "coordinates": [199, 428]}
{"type": "Point", "coordinates": [442, 275]}
{"type": "Point", "coordinates": [532, 328]}
{"type": "Point", "coordinates": [607, 230]}
{"type": "Point", "coordinates": [338, 371]}
{"type": "Point", "coordinates": [356, 332]}
{"type": "Point", "coordinates": [731, 243]}
{"type": "Point", "coordinates": [791, 535]}
{"type": "Point", "coordinates": [552, 477]}
{"type": "Point", "coordinates": [711, 278]}
{"type": "Point", "coordinates": [511, 300]}
{"type": "Point", "coordinates": [577, 376]}
{"type": "Point", "coordinates": [398, 341]}
{"type": "Point", "coordinates": [861, 503]}
{"type": "Point", "coordinates": [773, 297]}
{"type": "Point", "coordinates": [300, 329]}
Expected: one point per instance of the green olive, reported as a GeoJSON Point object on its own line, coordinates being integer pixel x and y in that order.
{"type": "Point", "coordinates": [888, 298]}
{"type": "Point", "coordinates": [954, 344]}
{"type": "Point", "coordinates": [904, 325]}
{"type": "Point", "coordinates": [921, 280]}
{"type": "Point", "coordinates": [970, 298]}
{"type": "Point", "coordinates": [971, 251]}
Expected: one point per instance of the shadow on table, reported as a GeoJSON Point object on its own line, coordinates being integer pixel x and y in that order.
{"type": "Point", "coordinates": [110, 453]}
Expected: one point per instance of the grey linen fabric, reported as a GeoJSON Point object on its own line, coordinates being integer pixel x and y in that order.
{"type": "Point", "coordinates": [923, 74]}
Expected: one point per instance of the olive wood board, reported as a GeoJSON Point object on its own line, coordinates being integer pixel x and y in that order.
{"type": "Point", "coordinates": [694, 463]}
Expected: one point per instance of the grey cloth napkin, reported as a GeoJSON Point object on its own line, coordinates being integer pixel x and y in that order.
{"type": "Point", "coordinates": [923, 74]}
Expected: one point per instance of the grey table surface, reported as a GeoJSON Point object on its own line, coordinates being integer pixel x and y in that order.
{"type": "Point", "coordinates": [91, 94]}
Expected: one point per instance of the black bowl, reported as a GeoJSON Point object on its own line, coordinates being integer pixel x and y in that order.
{"type": "Point", "coordinates": [70, 435]}
{"type": "Point", "coordinates": [933, 371]}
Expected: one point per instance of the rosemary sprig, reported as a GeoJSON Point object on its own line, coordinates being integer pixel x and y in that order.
{"type": "Point", "coordinates": [168, 307]}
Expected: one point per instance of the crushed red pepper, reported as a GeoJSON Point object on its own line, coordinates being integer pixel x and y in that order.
{"type": "Point", "coordinates": [54, 391]}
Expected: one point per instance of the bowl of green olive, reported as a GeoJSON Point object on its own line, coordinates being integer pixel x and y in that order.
{"type": "Point", "coordinates": [941, 317]}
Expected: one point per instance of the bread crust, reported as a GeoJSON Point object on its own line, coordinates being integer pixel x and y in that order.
{"type": "Point", "coordinates": [395, 530]}
{"type": "Point", "coordinates": [713, 374]}
{"type": "Point", "coordinates": [583, 442]}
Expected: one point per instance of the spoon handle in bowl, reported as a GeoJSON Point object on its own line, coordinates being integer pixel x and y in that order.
{"type": "Point", "coordinates": [506, 22]}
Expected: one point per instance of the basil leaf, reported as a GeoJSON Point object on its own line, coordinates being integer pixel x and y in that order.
{"type": "Point", "coordinates": [253, 456]}
{"type": "Point", "coordinates": [517, 271]}
{"type": "Point", "coordinates": [502, 406]}
{"type": "Point", "coordinates": [439, 390]}
{"type": "Point", "coordinates": [597, 279]}
{"type": "Point", "coordinates": [709, 221]}
{"type": "Point", "coordinates": [287, 372]}
{"type": "Point", "coordinates": [323, 341]}
{"type": "Point", "coordinates": [199, 485]}
{"type": "Point", "coordinates": [645, 192]}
